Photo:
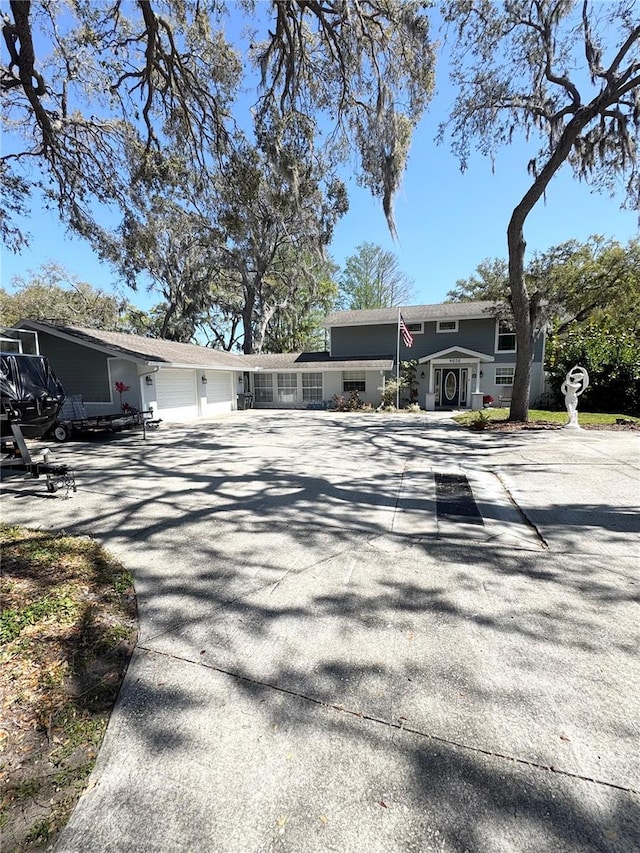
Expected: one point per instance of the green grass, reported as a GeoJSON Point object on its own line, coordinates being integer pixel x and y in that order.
{"type": "Point", "coordinates": [542, 416]}
{"type": "Point", "coordinates": [60, 607]}
{"type": "Point", "coordinates": [67, 628]}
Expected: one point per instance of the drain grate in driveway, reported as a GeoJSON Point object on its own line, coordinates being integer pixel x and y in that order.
{"type": "Point", "coordinates": [454, 498]}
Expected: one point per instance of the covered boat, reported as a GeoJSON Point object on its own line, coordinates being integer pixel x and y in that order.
{"type": "Point", "coordinates": [30, 395]}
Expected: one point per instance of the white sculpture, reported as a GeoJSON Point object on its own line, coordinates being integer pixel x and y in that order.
{"type": "Point", "coordinates": [575, 383]}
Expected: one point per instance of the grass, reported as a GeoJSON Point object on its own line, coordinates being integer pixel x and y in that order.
{"type": "Point", "coordinates": [67, 628]}
{"type": "Point", "coordinates": [546, 417]}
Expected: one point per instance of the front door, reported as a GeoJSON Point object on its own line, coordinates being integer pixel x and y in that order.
{"type": "Point", "coordinates": [450, 387]}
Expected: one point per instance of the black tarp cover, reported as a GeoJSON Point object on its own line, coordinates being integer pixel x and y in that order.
{"type": "Point", "coordinates": [30, 391]}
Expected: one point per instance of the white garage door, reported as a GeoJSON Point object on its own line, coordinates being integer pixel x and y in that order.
{"type": "Point", "coordinates": [176, 392]}
{"type": "Point", "coordinates": [219, 391]}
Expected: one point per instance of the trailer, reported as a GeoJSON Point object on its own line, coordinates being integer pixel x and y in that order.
{"type": "Point", "coordinates": [30, 399]}
{"type": "Point", "coordinates": [73, 420]}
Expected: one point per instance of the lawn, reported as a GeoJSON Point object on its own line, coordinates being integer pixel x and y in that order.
{"type": "Point", "coordinates": [542, 417]}
{"type": "Point", "coordinates": [67, 629]}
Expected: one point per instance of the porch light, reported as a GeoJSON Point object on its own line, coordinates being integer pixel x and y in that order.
{"type": "Point", "coordinates": [148, 380]}
{"type": "Point", "coordinates": [204, 379]}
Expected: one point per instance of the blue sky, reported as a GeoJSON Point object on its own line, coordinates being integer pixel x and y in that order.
{"type": "Point", "coordinates": [448, 222]}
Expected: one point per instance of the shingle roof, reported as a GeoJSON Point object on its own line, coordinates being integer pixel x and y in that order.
{"type": "Point", "coordinates": [146, 349]}
{"type": "Point", "coordinates": [315, 361]}
{"type": "Point", "coordinates": [412, 314]}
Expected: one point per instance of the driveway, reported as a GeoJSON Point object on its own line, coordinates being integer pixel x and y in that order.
{"type": "Point", "coordinates": [334, 656]}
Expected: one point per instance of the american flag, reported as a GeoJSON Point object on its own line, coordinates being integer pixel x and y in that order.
{"type": "Point", "coordinates": [407, 337]}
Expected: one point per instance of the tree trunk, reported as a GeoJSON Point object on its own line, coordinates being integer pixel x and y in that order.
{"type": "Point", "coordinates": [247, 317]}
{"type": "Point", "coordinates": [267, 314]}
{"type": "Point", "coordinates": [520, 302]}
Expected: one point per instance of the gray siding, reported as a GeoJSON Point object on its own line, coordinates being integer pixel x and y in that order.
{"type": "Point", "coordinates": [364, 341]}
{"type": "Point", "coordinates": [80, 369]}
{"type": "Point", "coordinates": [377, 341]}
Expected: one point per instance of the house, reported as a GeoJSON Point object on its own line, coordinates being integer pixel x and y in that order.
{"type": "Point", "coordinates": [464, 351]}
{"type": "Point", "coordinates": [181, 381]}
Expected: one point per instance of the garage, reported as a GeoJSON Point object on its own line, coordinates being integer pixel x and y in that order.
{"type": "Point", "coordinates": [220, 388]}
{"type": "Point", "coordinates": [176, 394]}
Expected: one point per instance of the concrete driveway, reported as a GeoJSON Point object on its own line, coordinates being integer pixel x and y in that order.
{"type": "Point", "coordinates": [330, 659]}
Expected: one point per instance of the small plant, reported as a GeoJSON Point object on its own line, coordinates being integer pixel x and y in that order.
{"type": "Point", "coordinates": [480, 422]}
{"type": "Point", "coordinates": [121, 388]}
{"type": "Point", "coordinates": [487, 400]}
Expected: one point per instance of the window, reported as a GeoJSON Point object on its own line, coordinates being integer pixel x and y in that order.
{"type": "Point", "coordinates": [287, 387]}
{"type": "Point", "coordinates": [415, 328]}
{"type": "Point", "coordinates": [263, 387]}
{"type": "Point", "coordinates": [354, 380]}
{"type": "Point", "coordinates": [504, 375]}
{"type": "Point", "coordinates": [311, 387]}
{"type": "Point", "coordinates": [447, 326]}
{"type": "Point", "coordinates": [506, 337]}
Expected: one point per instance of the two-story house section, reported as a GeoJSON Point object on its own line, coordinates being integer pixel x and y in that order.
{"type": "Point", "coordinates": [464, 350]}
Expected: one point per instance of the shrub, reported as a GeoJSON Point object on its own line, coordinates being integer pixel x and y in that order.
{"type": "Point", "coordinates": [352, 403]}
{"type": "Point", "coordinates": [389, 392]}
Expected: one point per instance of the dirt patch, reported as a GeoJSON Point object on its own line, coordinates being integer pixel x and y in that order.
{"type": "Point", "coordinates": [67, 629]}
{"type": "Point", "coordinates": [518, 426]}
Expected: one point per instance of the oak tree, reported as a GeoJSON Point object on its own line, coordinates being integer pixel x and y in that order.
{"type": "Point", "coordinates": [565, 73]}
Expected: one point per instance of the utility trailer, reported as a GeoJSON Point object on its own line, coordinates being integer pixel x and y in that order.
{"type": "Point", "coordinates": [73, 420]}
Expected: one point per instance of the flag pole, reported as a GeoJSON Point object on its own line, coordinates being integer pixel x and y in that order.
{"type": "Point", "coordinates": [398, 364]}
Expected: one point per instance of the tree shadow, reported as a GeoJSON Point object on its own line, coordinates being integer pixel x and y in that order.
{"type": "Point", "coordinates": [256, 551]}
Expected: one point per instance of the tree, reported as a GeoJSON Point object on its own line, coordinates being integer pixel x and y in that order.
{"type": "Point", "coordinates": [174, 247]}
{"type": "Point", "coordinates": [372, 279]}
{"type": "Point", "coordinates": [610, 355]}
{"type": "Point", "coordinates": [111, 83]}
{"type": "Point", "coordinates": [122, 79]}
{"type": "Point", "coordinates": [572, 282]}
{"type": "Point", "coordinates": [296, 327]}
{"type": "Point", "coordinates": [277, 212]}
{"type": "Point", "coordinates": [240, 247]}
{"type": "Point", "coordinates": [489, 283]}
{"type": "Point", "coordinates": [51, 293]}
{"type": "Point", "coordinates": [569, 75]}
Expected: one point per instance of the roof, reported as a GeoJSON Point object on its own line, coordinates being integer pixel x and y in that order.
{"type": "Point", "coordinates": [412, 314]}
{"type": "Point", "coordinates": [314, 361]}
{"type": "Point", "coordinates": [144, 349]}
{"type": "Point", "coordinates": [156, 350]}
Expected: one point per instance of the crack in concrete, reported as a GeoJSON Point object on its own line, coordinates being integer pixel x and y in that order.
{"type": "Point", "coordinates": [523, 515]}
{"type": "Point", "coordinates": [399, 726]}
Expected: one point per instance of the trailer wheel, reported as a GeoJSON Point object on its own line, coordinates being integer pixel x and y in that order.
{"type": "Point", "coordinates": [60, 432]}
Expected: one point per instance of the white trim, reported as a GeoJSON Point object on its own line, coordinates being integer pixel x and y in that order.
{"type": "Point", "coordinates": [440, 331]}
{"type": "Point", "coordinates": [469, 353]}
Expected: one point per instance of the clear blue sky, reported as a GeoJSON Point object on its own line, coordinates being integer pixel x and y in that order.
{"type": "Point", "coordinates": [448, 222]}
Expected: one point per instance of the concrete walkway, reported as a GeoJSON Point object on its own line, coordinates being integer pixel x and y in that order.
{"type": "Point", "coordinates": [327, 663]}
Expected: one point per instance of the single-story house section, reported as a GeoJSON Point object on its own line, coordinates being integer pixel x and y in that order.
{"type": "Point", "coordinates": [180, 381]}
{"type": "Point", "coordinates": [311, 379]}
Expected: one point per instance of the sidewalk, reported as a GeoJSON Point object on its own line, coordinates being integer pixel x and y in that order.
{"type": "Point", "coordinates": [325, 663]}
